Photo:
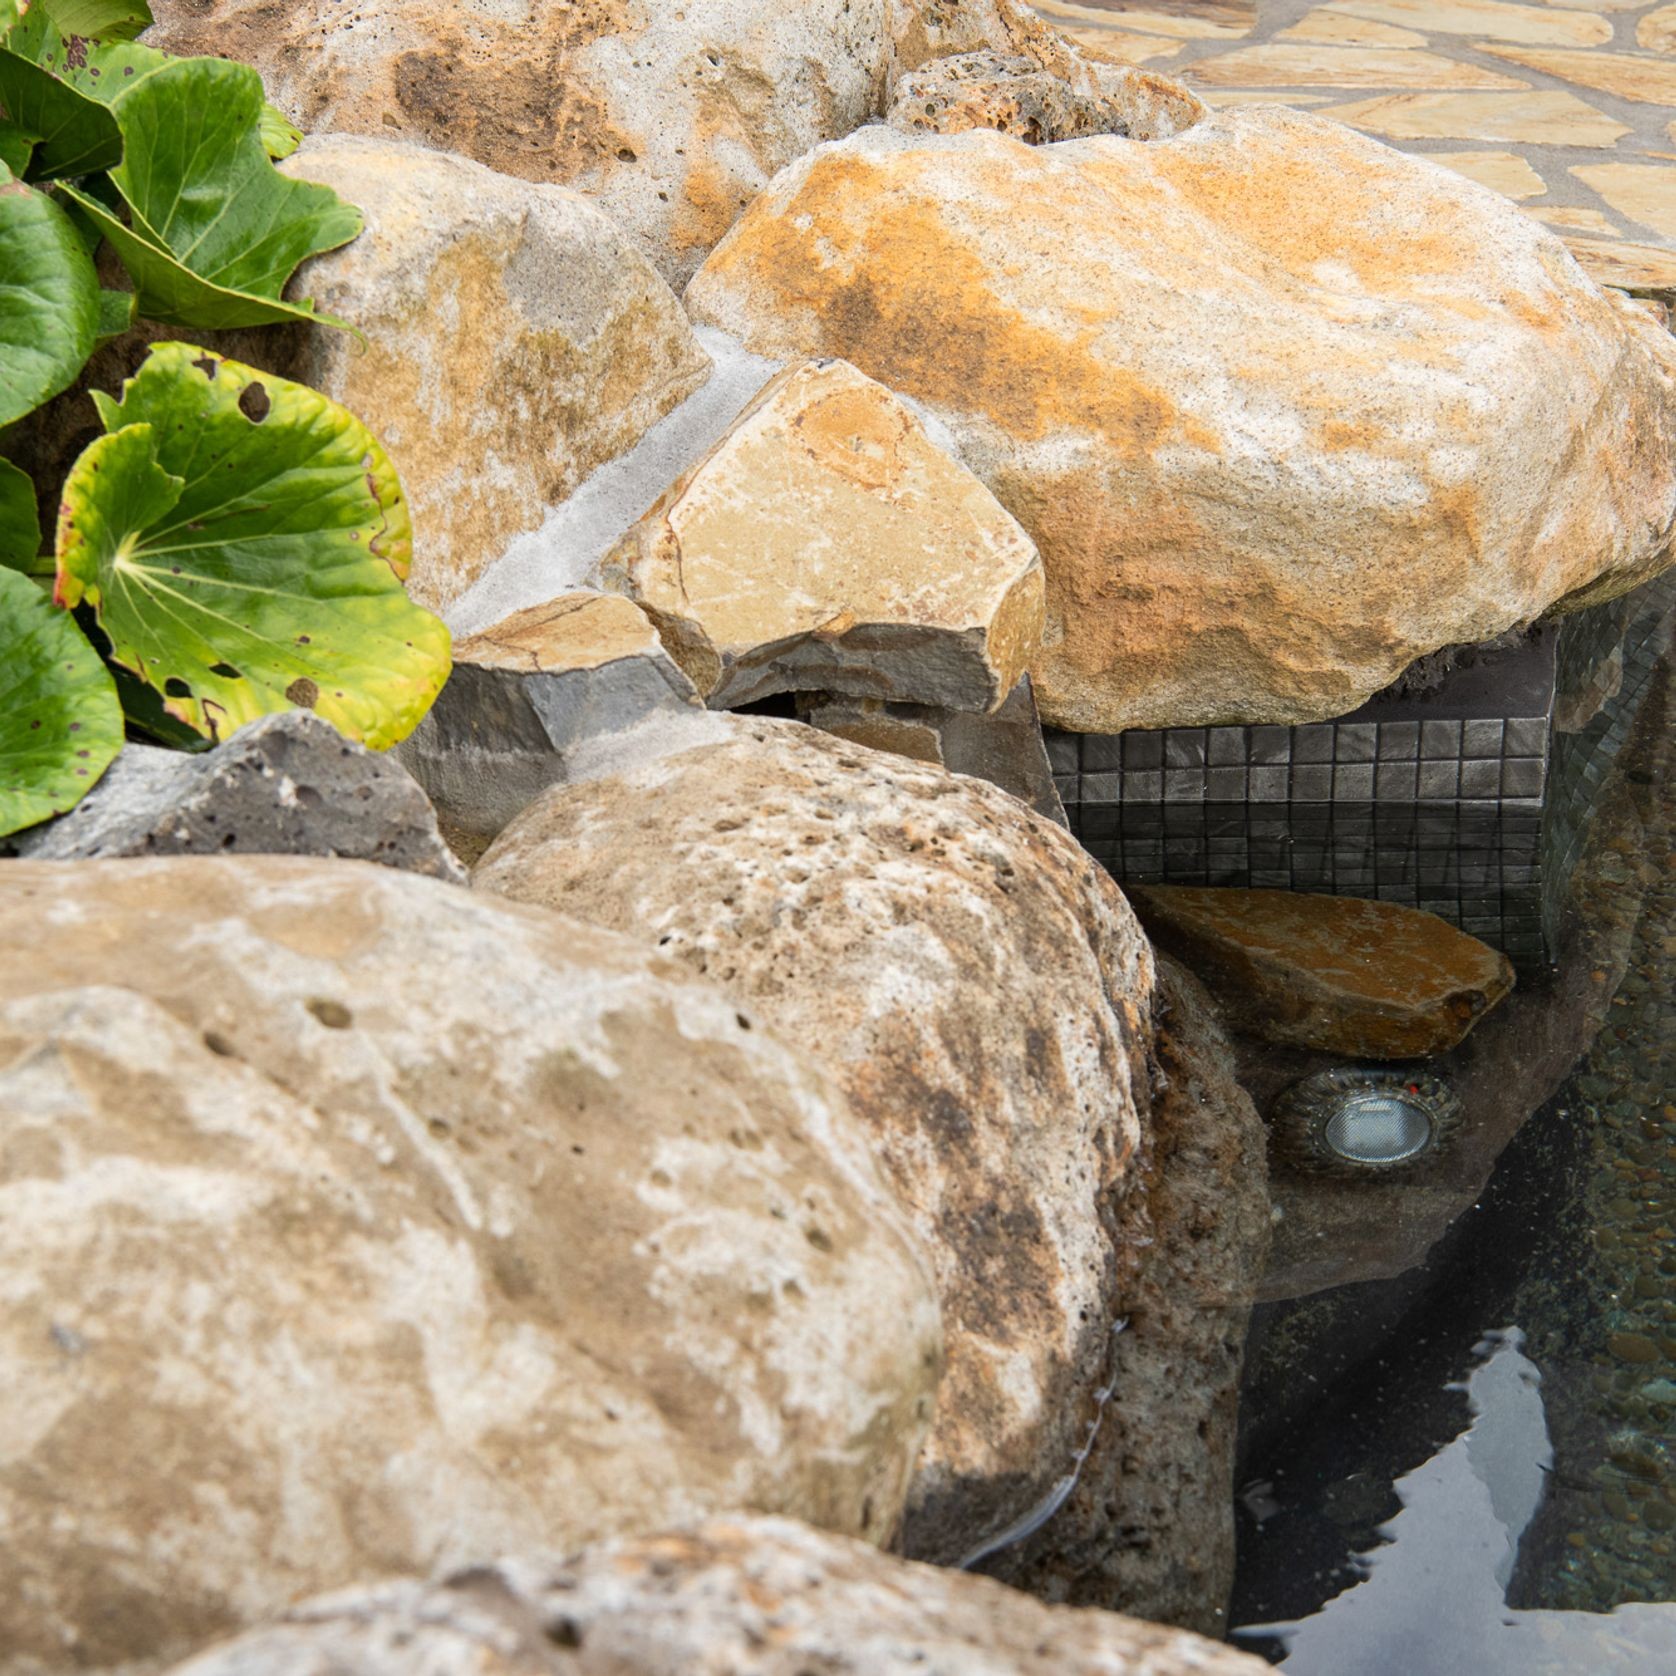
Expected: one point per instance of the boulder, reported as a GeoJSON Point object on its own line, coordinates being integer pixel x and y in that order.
{"type": "Point", "coordinates": [752, 1597]}
{"type": "Point", "coordinates": [828, 542]}
{"type": "Point", "coordinates": [515, 340]}
{"type": "Point", "coordinates": [285, 785]}
{"type": "Point", "coordinates": [352, 1224]}
{"type": "Point", "coordinates": [1149, 1526]}
{"type": "Point", "coordinates": [1006, 747]}
{"type": "Point", "coordinates": [976, 985]}
{"type": "Point", "coordinates": [1267, 395]}
{"type": "Point", "coordinates": [530, 695]}
{"type": "Point", "coordinates": [1373, 980]}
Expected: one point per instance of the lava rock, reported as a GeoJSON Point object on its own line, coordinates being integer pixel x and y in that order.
{"type": "Point", "coordinates": [289, 784]}
{"type": "Point", "coordinates": [352, 1224]}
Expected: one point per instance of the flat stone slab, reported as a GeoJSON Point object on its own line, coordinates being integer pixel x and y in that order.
{"type": "Point", "coordinates": [1335, 973]}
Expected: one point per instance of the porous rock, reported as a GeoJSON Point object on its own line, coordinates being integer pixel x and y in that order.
{"type": "Point", "coordinates": [1005, 747]}
{"type": "Point", "coordinates": [515, 341]}
{"type": "Point", "coordinates": [351, 1224]}
{"type": "Point", "coordinates": [1342, 974]}
{"type": "Point", "coordinates": [1150, 1524]}
{"type": "Point", "coordinates": [673, 117]}
{"type": "Point", "coordinates": [531, 695]}
{"type": "Point", "coordinates": [977, 986]}
{"type": "Point", "coordinates": [285, 785]}
{"type": "Point", "coordinates": [828, 542]}
{"type": "Point", "coordinates": [749, 1597]}
{"type": "Point", "coordinates": [1266, 394]}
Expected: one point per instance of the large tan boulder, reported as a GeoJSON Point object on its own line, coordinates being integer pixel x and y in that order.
{"type": "Point", "coordinates": [1282, 408]}
{"type": "Point", "coordinates": [352, 1224]}
{"type": "Point", "coordinates": [827, 542]}
{"type": "Point", "coordinates": [672, 116]}
{"type": "Point", "coordinates": [515, 340]}
{"type": "Point", "coordinates": [749, 1597]}
{"type": "Point", "coordinates": [976, 985]}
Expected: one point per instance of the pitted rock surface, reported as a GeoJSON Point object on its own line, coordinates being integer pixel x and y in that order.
{"type": "Point", "coordinates": [285, 785]}
{"type": "Point", "coordinates": [1283, 409]}
{"type": "Point", "coordinates": [737, 1597]}
{"type": "Point", "coordinates": [827, 542]}
{"type": "Point", "coordinates": [977, 986]}
{"type": "Point", "coordinates": [352, 1224]}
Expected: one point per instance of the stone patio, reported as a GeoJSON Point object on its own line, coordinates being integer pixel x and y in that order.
{"type": "Point", "coordinates": [1566, 107]}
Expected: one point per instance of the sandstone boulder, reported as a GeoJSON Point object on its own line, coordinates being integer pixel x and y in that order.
{"type": "Point", "coordinates": [1282, 409]}
{"type": "Point", "coordinates": [1341, 974]}
{"type": "Point", "coordinates": [751, 1597]}
{"type": "Point", "coordinates": [828, 542]}
{"type": "Point", "coordinates": [285, 785]}
{"type": "Point", "coordinates": [353, 1224]}
{"type": "Point", "coordinates": [1005, 747]}
{"type": "Point", "coordinates": [530, 696]}
{"type": "Point", "coordinates": [1150, 1524]}
{"type": "Point", "coordinates": [976, 985]}
{"type": "Point", "coordinates": [516, 340]}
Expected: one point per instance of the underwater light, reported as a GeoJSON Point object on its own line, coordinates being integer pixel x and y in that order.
{"type": "Point", "coordinates": [1361, 1120]}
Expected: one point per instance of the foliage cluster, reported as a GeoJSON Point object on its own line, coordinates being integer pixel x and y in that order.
{"type": "Point", "coordinates": [235, 543]}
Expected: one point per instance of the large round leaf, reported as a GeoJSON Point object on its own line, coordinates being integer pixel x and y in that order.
{"type": "Point", "coordinates": [243, 541]}
{"type": "Point", "coordinates": [60, 723]}
{"type": "Point", "coordinates": [49, 299]}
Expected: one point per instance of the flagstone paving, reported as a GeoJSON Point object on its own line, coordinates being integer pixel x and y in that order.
{"type": "Point", "coordinates": [1567, 106]}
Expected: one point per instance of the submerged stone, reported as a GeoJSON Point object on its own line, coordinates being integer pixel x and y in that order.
{"type": "Point", "coordinates": [1341, 974]}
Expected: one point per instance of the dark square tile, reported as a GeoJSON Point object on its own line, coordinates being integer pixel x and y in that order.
{"type": "Point", "coordinates": [1064, 751]}
{"type": "Point", "coordinates": [1352, 780]}
{"type": "Point", "coordinates": [1143, 785]}
{"type": "Point", "coordinates": [1398, 741]}
{"type": "Point", "coordinates": [1355, 742]}
{"type": "Point", "coordinates": [1521, 777]}
{"type": "Point", "coordinates": [1527, 736]}
{"type": "Point", "coordinates": [1440, 739]}
{"type": "Point", "coordinates": [1480, 779]}
{"type": "Point", "coordinates": [1101, 753]}
{"type": "Point", "coordinates": [1102, 788]}
{"type": "Point", "coordinates": [1184, 785]}
{"type": "Point", "coordinates": [1269, 784]}
{"type": "Point", "coordinates": [1311, 782]}
{"type": "Point", "coordinates": [1226, 784]}
{"type": "Point", "coordinates": [1184, 748]}
{"type": "Point", "coordinates": [1481, 737]}
{"type": "Point", "coordinates": [1099, 820]}
{"type": "Point", "coordinates": [1395, 781]}
{"type": "Point", "coordinates": [1313, 743]}
{"type": "Point", "coordinates": [1227, 746]}
{"type": "Point", "coordinates": [1439, 779]}
{"type": "Point", "coordinates": [1143, 750]}
{"type": "Point", "coordinates": [1066, 785]}
{"type": "Point", "coordinates": [1271, 744]}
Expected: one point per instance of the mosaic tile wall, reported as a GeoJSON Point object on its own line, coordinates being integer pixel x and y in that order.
{"type": "Point", "coordinates": [1463, 801]}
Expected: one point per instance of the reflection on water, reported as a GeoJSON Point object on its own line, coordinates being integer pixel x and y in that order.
{"type": "Point", "coordinates": [1433, 1598]}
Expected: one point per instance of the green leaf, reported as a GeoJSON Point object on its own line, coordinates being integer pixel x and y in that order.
{"type": "Point", "coordinates": [217, 230]}
{"type": "Point", "coordinates": [49, 299]}
{"type": "Point", "coordinates": [60, 723]}
{"type": "Point", "coordinates": [279, 137]}
{"type": "Point", "coordinates": [116, 316]}
{"type": "Point", "coordinates": [16, 148]}
{"type": "Point", "coordinates": [72, 131]}
{"type": "Point", "coordinates": [111, 20]}
{"type": "Point", "coordinates": [20, 523]}
{"type": "Point", "coordinates": [243, 540]}
{"type": "Point", "coordinates": [10, 11]}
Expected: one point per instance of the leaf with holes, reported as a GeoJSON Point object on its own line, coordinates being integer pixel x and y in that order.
{"type": "Point", "coordinates": [216, 230]}
{"type": "Point", "coordinates": [60, 723]}
{"type": "Point", "coordinates": [243, 542]}
{"type": "Point", "coordinates": [49, 299]}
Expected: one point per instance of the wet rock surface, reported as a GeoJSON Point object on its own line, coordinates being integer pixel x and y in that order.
{"type": "Point", "coordinates": [286, 785]}
{"type": "Point", "coordinates": [1336, 973]}
{"type": "Point", "coordinates": [352, 1224]}
{"type": "Point", "coordinates": [529, 698]}
{"type": "Point", "coordinates": [1348, 353]}
{"type": "Point", "coordinates": [978, 988]}
{"type": "Point", "coordinates": [761, 1597]}
{"type": "Point", "coordinates": [1150, 1525]}
{"type": "Point", "coordinates": [828, 542]}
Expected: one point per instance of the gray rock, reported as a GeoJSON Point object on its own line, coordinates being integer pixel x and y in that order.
{"type": "Point", "coordinates": [532, 699]}
{"type": "Point", "coordinates": [1004, 747]}
{"type": "Point", "coordinates": [287, 785]}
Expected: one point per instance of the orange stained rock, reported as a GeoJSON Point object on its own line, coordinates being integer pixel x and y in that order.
{"type": "Point", "coordinates": [575, 631]}
{"type": "Point", "coordinates": [1645, 80]}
